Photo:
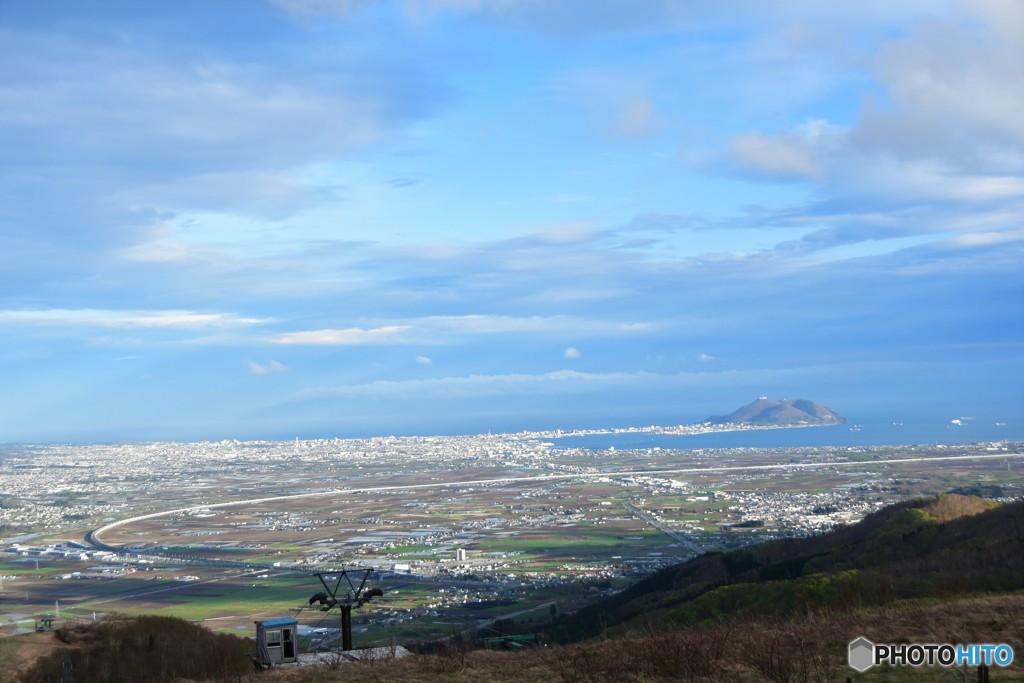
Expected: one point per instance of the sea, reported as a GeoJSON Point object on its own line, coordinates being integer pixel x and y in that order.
{"type": "Point", "coordinates": [956, 431]}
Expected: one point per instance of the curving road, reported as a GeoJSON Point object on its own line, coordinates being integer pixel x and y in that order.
{"type": "Point", "coordinates": [94, 537]}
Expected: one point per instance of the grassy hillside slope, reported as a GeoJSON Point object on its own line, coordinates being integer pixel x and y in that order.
{"type": "Point", "coordinates": [945, 546]}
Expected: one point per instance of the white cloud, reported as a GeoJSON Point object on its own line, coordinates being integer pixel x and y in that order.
{"type": "Point", "coordinates": [562, 381]}
{"type": "Point", "coordinates": [352, 336]}
{"type": "Point", "coordinates": [493, 324]}
{"type": "Point", "coordinates": [635, 327]}
{"type": "Point", "coordinates": [158, 245]}
{"type": "Point", "coordinates": [985, 239]}
{"type": "Point", "coordinates": [572, 353]}
{"type": "Point", "coordinates": [637, 117]}
{"type": "Point", "coordinates": [448, 329]}
{"type": "Point", "coordinates": [949, 124]}
{"type": "Point", "coordinates": [127, 319]}
{"type": "Point", "coordinates": [937, 146]}
{"type": "Point", "coordinates": [423, 360]}
{"type": "Point", "coordinates": [452, 329]}
{"type": "Point", "coordinates": [1005, 16]}
{"type": "Point", "coordinates": [163, 251]}
{"type": "Point", "coordinates": [305, 10]}
{"type": "Point", "coordinates": [705, 358]}
{"type": "Point", "coordinates": [955, 85]}
{"type": "Point", "coordinates": [273, 367]}
{"type": "Point", "coordinates": [775, 156]}
{"type": "Point", "coordinates": [242, 115]}
{"type": "Point", "coordinates": [276, 193]}
{"type": "Point", "coordinates": [619, 103]}
{"type": "Point", "coordinates": [501, 324]}
{"type": "Point", "coordinates": [888, 178]}
{"type": "Point", "coordinates": [797, 153]}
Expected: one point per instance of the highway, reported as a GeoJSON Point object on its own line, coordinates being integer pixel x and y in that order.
{"type": "Point", "coordinates": [94, 537]}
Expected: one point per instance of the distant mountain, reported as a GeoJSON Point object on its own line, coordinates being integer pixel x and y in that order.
{"type": "Point", "coordinates": [947, 546]}
{"type": "Point", "coordinates": [786, 413]}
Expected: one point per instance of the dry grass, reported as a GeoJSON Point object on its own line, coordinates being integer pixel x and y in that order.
{"type": "Point", "coordinates": [481, 666]}
{"type": "Point", "coordinates": [810, 649]}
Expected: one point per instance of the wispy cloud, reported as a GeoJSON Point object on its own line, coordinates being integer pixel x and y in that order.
{"type": "Point", "coordinates": [271, 367]}
{"type": "Point", "coordinates": [127, 319]}
{"type": "Point", "coordinates": [986, 239]}
{"type": "Point", "coordinates": [353, 336]}
{"type": "Point", "coordinates": [305, 10]}
{"type": "Point", "coordinates": [776, 156]}
{"type": "Point", "coordinates": [561, 381]}
{"type": "Point", "coordinates": [449, 329]}
{"type": "Point", "coordinates": [501, 324]}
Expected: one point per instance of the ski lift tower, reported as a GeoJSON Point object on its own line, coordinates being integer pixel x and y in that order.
{"type": "Point", "coordinates": [344, 596]}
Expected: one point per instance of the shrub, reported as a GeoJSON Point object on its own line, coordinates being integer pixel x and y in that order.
{"type": "Point", "coordinates": [147, 649]}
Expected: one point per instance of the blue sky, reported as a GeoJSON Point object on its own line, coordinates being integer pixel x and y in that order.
{"type": "Point", "coordinates": [349, 217]}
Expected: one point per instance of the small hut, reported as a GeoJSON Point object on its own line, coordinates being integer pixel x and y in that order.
{"type": "Point", "coordinates": [277, 641]}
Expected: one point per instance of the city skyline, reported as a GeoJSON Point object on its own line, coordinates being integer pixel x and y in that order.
{"type": "Point", "coordinates": [302, 218]}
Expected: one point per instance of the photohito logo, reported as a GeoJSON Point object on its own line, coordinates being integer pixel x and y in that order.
{"type": "Point", "coordinates": [864, 654]}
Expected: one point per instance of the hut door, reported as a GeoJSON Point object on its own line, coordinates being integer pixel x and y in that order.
{"type": "Point", "coordinates": [288, 644]}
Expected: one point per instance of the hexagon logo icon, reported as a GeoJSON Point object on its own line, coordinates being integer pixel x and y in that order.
{"type": "Point", "coordinates": [862, 654]}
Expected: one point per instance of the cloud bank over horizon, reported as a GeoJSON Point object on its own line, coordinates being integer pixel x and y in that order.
{"type": "Point", "coordinates": [339, 217]}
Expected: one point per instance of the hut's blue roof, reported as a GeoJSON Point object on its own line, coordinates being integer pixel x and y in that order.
{"type": "Point", "coordinates": [279, 621]}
